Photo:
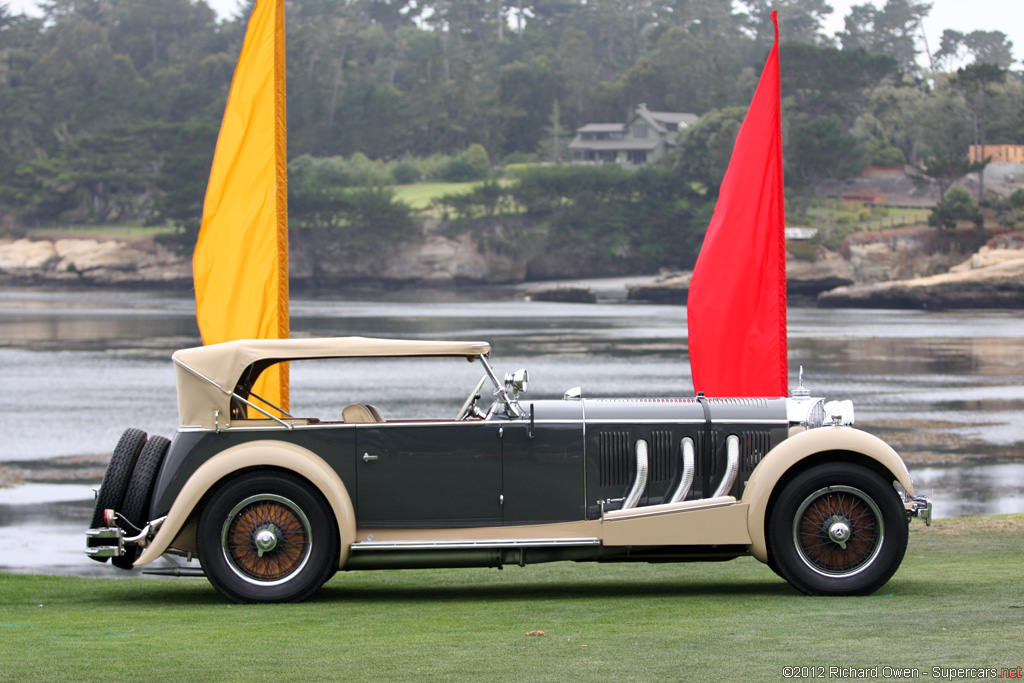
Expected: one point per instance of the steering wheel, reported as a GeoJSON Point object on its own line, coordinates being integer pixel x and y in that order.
{"type": "Point", "coordinates": [471, 399]}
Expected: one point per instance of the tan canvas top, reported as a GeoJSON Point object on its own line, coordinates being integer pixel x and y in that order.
{"type": "Point", "coordinates": [206, 375]}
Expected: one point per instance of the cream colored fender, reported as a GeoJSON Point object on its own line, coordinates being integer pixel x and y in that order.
{"type": "Point", "coordinates": [780, 459]}
{"type": "Point", "coordinates": [255, 454]}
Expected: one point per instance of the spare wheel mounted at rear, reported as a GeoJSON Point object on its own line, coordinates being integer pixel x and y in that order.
{"type": "Point", "coordinates": [774, 466]}
{"type": "Point", "coordinates": [251, 455]}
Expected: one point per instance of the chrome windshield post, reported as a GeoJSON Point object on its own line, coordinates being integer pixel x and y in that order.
{"type": "Point", "coordinates": [511, 405]}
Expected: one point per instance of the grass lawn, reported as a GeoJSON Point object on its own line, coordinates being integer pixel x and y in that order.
{"type": "Point", "coordinates": [118, 231]}
{"type": "Point", "coordinates": [419, 195]}
{"type": "Point", "coordinates": [957, 601]}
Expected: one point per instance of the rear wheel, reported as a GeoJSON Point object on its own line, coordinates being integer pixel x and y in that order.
{"type": "Point", "coordinates": [837, 529]}
{"type": "Point", "coordinates": [267, 537]}
{"type": "Point", "coordinates": [115, 479]}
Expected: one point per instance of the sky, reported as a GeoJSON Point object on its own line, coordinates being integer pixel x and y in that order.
{"type": "Point", "coordinates": [963, 15]}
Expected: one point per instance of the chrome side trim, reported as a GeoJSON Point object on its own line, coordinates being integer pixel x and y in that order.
{"type": "Point", "coordinates": [640, 483]}
{"type": "Point", "coordinates": [686, 479]}
{"type": "Point", "coordinates": [693, 421]}
{"type": "Point", "coordinates": [486, 543]}
{"type": "Point", "coordinates": [732, 465]}
{"type": "Point", "coordinates": [615, 515]}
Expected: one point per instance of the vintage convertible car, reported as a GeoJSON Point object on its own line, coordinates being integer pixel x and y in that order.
{"type": "Point", "coordinates": [272, 504]}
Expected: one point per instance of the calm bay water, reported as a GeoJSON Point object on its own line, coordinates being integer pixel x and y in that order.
{"type": "Point", "coordinates": [945, 389]}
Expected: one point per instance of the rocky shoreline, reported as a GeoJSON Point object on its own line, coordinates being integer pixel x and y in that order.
{"type": "Point", "coordinates": [905, 269]}
{"type": "Point", "coordinates": [877, 270]}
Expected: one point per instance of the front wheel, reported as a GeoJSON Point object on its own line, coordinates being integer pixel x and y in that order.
{"type": "Point", "coordinates": [837, 529]}
{"type": "Point", "coordinates": [267, 537]}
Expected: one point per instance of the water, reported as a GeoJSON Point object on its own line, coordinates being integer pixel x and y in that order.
{"type": "Point", "coordinates": [945, 389]}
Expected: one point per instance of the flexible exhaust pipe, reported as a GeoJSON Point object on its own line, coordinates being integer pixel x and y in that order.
{"type": "Point", "coordinates": [640, 483]}
{"type": "Point", "coordinates": [686, 480]}
{"type": "Point", "coordinates": [732, 465]}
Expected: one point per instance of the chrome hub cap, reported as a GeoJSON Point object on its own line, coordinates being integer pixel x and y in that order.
{"type": "Point", "coordinates": [839, 531]}
{"type": "Point", "coordinates": [265, 540]}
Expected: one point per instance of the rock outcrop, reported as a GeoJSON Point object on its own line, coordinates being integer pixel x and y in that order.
{"type": "Point", "coordinates": [92, 262]}
{"type": "Point", "coordinates": [992, 278]}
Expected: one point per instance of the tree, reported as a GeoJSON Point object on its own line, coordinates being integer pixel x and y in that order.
{"type": "Point", "coordinates": [827, 81]}
{"type": "Point", "coordinates": [898, 115]}
{"type": "Point", "coordinates": [943, 170]}
{"type": "Point", "coordinates": [525, 93]}
{"type": "Point", "coordinates": [554, 146]}
{"type": "Point", "coordinates": [818, 150]}
{"type": "Point", "coordinates": [578, 69]}
{"type": "Point", "coordinates": [187, 156]}
{"type": "Point", "coordinates": [704, 149]}
{"type": "Point", "coordinates": [800, 21]}
{"type": "Point", "coordinates": [976, 83]}
{"type": "Point", "coordinates": [956, 205]}
{"type": "Point", "coordinates": [987, 47]}
{"type": "Point", "coordinates": [891, 30]}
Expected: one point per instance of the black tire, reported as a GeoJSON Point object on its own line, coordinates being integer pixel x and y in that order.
{"type": "Point", "coordinates": [115, 479]}
{"type": "Point", "coordinates": [135, 508]}
{"type": "Point", "coordinates": [837, 529]}
{"type": "Point", "coordinates": [291, 519]}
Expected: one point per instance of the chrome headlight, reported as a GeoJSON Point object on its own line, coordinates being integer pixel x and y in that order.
{"type": "Point", "coordinates": [806, 412]}
{"type": "Point", "coordinates": [811, 413]}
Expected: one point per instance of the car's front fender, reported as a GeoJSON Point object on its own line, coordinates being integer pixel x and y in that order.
{"type": "Point", "coordinates": [799, 447]}
{"type": "Point", "coordinates": [277, 454]}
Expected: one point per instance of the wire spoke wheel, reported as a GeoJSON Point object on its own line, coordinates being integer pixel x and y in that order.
{"type": "Point", "coordinates": [266, 538]}
{"type": "Point", "coordinates": [838, 530]}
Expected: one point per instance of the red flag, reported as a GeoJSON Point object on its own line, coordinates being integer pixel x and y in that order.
{"type": "Point", "coordinates": [736, 307]}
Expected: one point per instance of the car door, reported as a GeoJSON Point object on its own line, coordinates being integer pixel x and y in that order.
{"type": "Point", "coordinates": [544, 479]}
{"type": "Point", "coordinates": [428, 474]}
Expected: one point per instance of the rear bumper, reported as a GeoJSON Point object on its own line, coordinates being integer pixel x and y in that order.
{"type": "Point", "coordinates": [110, 541]}
{"type": "Point", "coordinates": [104, 542]}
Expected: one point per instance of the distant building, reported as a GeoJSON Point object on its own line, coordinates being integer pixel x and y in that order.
{"type": "Point", "coordinates": [645, 139]}
{"type": "Point", "coordinates": [1000, 154]}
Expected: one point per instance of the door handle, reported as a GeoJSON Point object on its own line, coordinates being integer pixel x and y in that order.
{"type": "Point", "coordinates": [368, 458]}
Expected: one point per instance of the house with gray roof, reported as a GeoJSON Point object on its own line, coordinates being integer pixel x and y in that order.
{"type": "Point", "coordinates": [645, 139]}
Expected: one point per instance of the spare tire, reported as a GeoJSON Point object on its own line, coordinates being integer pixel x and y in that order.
{"type": "Point", "coordinates": [134, 510]}
{"type": "Point", "coordinates": [115, 479]}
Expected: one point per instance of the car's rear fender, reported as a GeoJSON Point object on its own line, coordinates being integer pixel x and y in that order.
{"type": "Point", "coordinates": [255, 454]}
{"type": "Point", "coordinates": [796, 450]}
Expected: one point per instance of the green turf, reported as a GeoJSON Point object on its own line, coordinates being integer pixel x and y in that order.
{"type": "Point", "coordinates": [956, 602]}
{"type": "Point", "coordinates": [419, 195]}
{"type": "Point", "coordinates": [114, 231]}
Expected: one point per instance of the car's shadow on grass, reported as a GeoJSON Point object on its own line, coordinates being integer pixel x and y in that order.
{"type": "Point", "coordinates": [196, 592]}
{"type": "Point", "coordinates": [337, 591]}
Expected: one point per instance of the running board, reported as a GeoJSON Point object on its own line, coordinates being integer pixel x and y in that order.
{"type": "Point", "coordinates": [481, 544]}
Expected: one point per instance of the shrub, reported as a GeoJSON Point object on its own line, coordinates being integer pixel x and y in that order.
{"type": "Point", "coordinates": [405, 172]}
{"type": "Point", "coordinates": [955, 206]}
{"type": "Point", "coordinates": [476, 156]}
{"type": "Point", "coordinates": [459, 171]}
{"type": "Point", "coordinates": [360, 219]}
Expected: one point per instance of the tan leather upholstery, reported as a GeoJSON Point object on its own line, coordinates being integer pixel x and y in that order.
{"type": "Point", "coordinates": [356, 413]}
{"type": "Point", "coordinates": [375, 412]}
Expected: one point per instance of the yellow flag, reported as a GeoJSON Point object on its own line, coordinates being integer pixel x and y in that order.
{"type": "Point", "coordinates": [240, 265]}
